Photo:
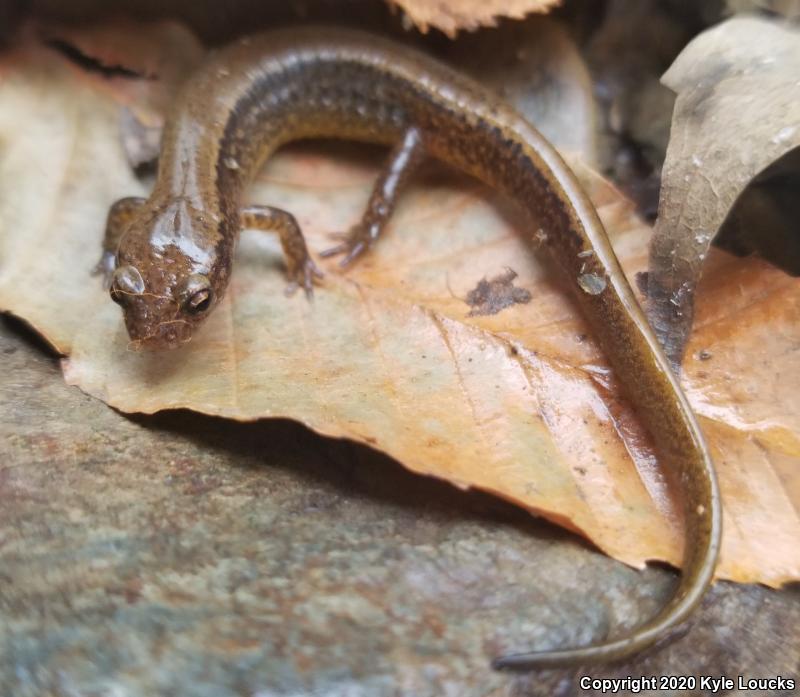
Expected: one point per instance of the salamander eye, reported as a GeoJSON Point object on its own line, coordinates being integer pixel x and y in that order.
{"type": "Point", "coordinates": [199, 302]}
{"type": "Point", "coordinates": [126, 281]}
{"type": "Point", "coordinates": [196, 294]}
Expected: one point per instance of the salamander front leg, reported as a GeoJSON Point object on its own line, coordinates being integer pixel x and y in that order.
{"type": "Point", "coordinates": [300, 268]}
{"type": "Point", "coordinates": [119, 217]}
{"type": "Point", "coordinates": [405, 158]}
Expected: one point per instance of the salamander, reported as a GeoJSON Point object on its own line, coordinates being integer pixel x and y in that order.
{"type": "Point", "coordinates": [169, 258]}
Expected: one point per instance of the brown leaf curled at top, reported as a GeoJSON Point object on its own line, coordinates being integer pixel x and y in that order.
{"type": "Point", "coordinates": [737, 111]}
{"type": "Point", "coordinates": [452, 16]}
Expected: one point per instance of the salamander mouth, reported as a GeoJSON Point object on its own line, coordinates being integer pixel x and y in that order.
{"type": "Point", "coordinates": [166, 335]}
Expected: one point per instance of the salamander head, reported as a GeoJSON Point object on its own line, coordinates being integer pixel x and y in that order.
{"type": "Point", "coordinates": [164, 285]}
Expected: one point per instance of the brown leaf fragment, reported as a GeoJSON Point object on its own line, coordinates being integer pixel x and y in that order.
{"type": "Point", "coordinates": [452, 16]}
{"type": "Point", "coordinates": [489, 297]}
{"type": "Point", "coordinates": [737, 111]}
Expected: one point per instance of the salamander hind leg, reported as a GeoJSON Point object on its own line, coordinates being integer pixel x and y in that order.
{"type": "Point", "coordinates": [301, 269]}
{"type": "Point", "coordinates": [119, 217]}
{"type": "Point", "coordinates": [405, 158]}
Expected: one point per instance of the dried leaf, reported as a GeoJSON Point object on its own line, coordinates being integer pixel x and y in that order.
{"type": "Point", "coordinates": [452, 16]}
{"type": "Point", "coordinates": [519, 402]}
{"type": "Point", "coordinates": [737, 111]}
{"type": "Point", "coordinates": [740, 376]}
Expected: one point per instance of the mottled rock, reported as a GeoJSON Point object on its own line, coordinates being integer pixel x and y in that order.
{"type": "Point", "coordinates": [185, 555]}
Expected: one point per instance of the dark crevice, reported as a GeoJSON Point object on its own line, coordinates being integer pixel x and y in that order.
{"type": "Point", "coordinates": [75, 55]}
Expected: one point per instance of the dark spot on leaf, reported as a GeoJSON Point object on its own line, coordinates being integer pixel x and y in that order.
{"type": "Point", "coordinates": [491, 296]}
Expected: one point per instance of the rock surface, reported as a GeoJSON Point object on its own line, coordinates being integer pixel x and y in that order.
{"type": "Point", "coordinates": [185, 555]}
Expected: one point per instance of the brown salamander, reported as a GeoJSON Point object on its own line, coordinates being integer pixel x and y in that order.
{"type": "Point", "coordinates": [169, 257]}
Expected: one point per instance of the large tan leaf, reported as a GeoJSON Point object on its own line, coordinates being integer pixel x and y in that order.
{"type": "Point", "coordinates": [737, 110]}
{"type": "Point", "coordinates": [519, 403]}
